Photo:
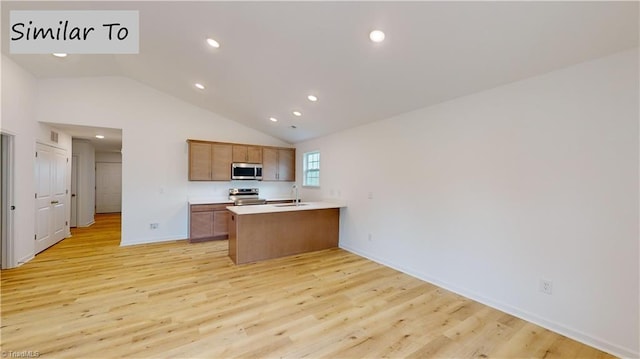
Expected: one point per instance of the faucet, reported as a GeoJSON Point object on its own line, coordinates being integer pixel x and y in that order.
{"type": "Point", "coordinates": [295, 187]}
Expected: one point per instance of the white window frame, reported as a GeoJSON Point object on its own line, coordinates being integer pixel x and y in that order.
{"type": "Point", "coordinates": [307, 158]}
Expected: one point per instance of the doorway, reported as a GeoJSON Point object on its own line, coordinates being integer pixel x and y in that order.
{"type": "Point", "coordinates": [108, 187]}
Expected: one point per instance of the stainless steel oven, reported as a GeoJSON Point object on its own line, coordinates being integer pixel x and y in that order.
{"type": "Point", "coordinates": [245, 196]}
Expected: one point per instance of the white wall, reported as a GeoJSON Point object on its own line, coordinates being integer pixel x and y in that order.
{"type": "Point", "coordinates": [487, 194]}
{"type": "Point", "coordinates": [154, 151]}
{"type": "Point", "coordinates": [109, 157]}
{"type": "Point", "coordinates": [86, 186]}
{"type": "Point", "coordinates": [19, 120]}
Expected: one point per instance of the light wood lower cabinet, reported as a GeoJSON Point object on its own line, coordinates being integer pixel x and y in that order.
{"type": "Point", "coordinates": [256, 237]}
{"type": "Point", "coordinates": [208, 222]}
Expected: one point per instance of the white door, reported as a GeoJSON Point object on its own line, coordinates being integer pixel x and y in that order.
{"type": "Point", "coordinates": [108, 187]}
{"type": "Point", "coordinates": [74, 191]}
{"type": "Point", "coordinates": [51, 196]}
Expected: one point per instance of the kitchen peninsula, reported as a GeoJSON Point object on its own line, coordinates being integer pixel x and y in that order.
{"type": "Point", "coordinates": [263, 232]}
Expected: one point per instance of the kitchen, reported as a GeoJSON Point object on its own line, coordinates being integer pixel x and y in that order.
{"type": "Point", "coordinates": [530, 176]}
{"type": "Point", "coordinates": [257, 228]}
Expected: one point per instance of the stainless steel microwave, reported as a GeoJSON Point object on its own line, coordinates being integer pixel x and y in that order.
{"type": "Point", "coordinates": [246, 171]}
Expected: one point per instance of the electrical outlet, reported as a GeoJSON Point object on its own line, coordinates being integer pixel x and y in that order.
{"type": "Point", "coordinates": [153, 226]}
{"type": "Point", "coordinates": [546, 286]}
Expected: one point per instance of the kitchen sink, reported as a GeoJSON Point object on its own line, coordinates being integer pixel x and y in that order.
{"type": "Point", "coordinates": [290, 205]}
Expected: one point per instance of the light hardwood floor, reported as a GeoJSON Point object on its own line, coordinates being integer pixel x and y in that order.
{"type": "Point", "coordinates": [86, 297]}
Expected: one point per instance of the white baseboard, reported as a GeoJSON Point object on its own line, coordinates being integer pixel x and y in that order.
{"type": "Point", "coordinates": [152, 240]}
{"type": "Point", "coordinates": [24, 260]}
{"type": "Point", "coordinates": [577, 335]}
{"type": "Point", "coordinates": [86, 224]}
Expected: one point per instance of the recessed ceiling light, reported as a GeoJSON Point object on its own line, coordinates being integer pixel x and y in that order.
{"type": "Point", "coordinates": [297, 113]}
{"type": "Point", "coordinates": [312, 98]}
{"type": "Point", "coordinates": [100, 136]}
{"type": "Point", "coordinates": [213, 43]}
{"type": "Point", "coordinates": [273, 119]}
{"type": "Point", "coordinates": [59, 54]}
{"type": "Point", "coordinates": [376, 36]}
{"type": "Point", "coordinates": [200, 86]}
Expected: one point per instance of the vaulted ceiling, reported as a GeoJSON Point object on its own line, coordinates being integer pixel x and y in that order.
{"type": "Point", "coordinates": [273, 54]}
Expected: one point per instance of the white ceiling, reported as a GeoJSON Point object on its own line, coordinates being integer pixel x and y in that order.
{"type": "Point", "coordinates": [112, 141]}
{"type": "Point", "coordinates": [273, 54]}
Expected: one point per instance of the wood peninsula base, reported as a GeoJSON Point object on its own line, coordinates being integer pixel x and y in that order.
{"type": "Point", "coordinates": [261, 236]}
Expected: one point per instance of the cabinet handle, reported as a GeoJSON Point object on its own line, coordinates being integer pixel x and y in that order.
{"type": "Point", "coordinates": [55, 202]}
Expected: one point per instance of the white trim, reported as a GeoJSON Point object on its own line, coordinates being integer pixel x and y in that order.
{"type": "Point", "coordinates": [305, 170]}
{"type": "Point", "coordinates": [54, 145]}
{"type": "Point", "coordinates": [24, 260]}
{"type": "Point", "coordinates": [8, 199]}
{"type": "Point", "coordinates": [153, 240]}
{"type": "Point", "coordinates": [575, 334]}
{"type": "Point", "coordinates": [87, 224]}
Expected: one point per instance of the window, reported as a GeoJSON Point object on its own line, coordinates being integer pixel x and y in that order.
{"type": "Point", "coordinates": [311, 168]}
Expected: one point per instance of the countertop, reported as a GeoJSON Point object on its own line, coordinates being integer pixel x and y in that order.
{"type": "Point", "coordinates": [274, 208]}
{"type": "Point", "coordinates": [209, 200]}
{"type": "Point", "coordinates": [219, 200]}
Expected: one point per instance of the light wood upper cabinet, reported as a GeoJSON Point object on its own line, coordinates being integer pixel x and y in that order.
{"type": "Point", "coordinates": [249, 154]}
{"type": "Point", "coordinates": [286, 164]}
{"type": "Point", "coordinates": [269, 164]}
{"type": "Point", "coordinates": [221, 156]}
{"type": "Point", "coordinates": [278, 164]}
{"type": "Point", "coordinates": [200, 161]}
{"type": "Point", "coordinates": [254, 154]}
{"type": "Point", "coordinates": [209, 161]}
